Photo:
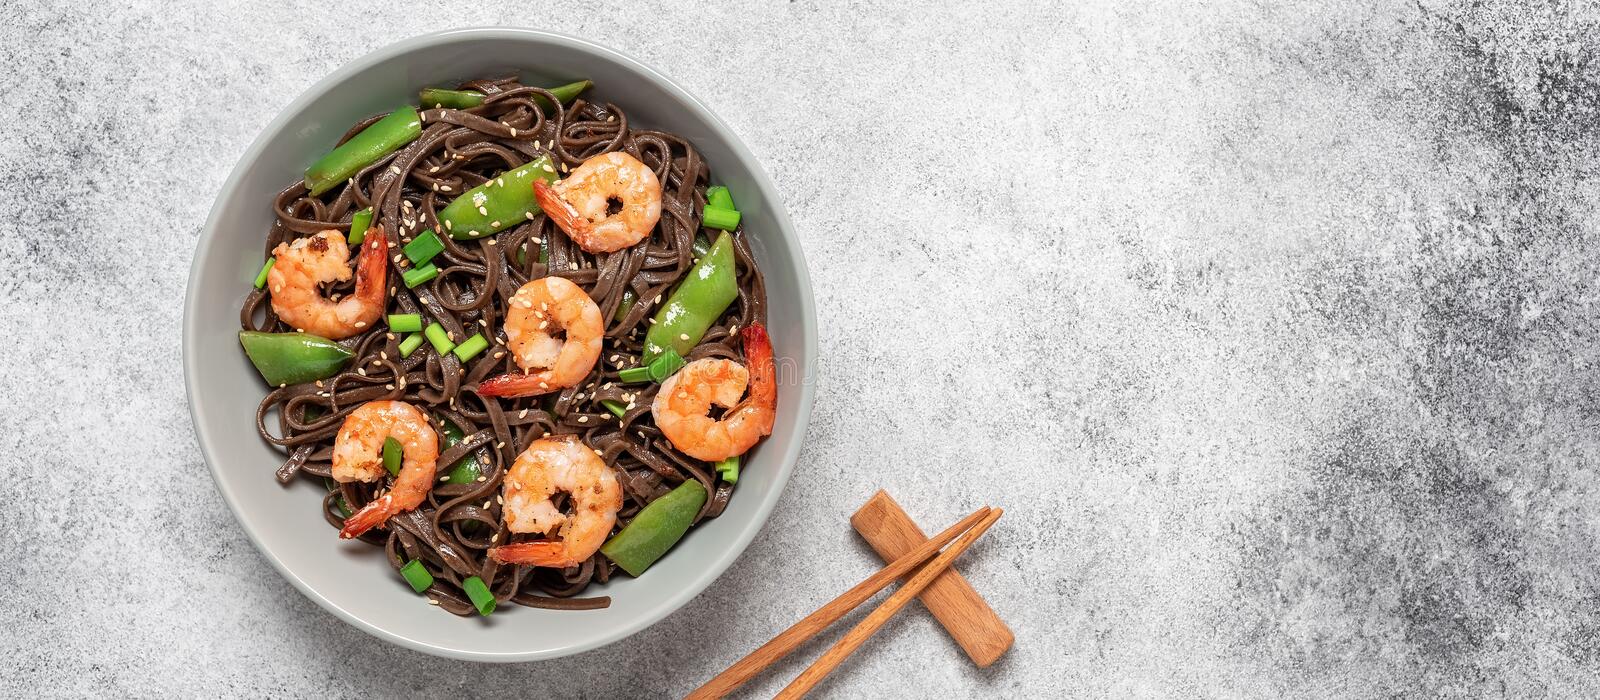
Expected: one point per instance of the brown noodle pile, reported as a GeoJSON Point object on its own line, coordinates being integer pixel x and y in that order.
{"type": "Point", "coordinates": [458, 150]}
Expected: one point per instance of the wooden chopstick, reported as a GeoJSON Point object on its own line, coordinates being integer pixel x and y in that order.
{"type": "Point", "coordinates": [788, 640]}
{"type": "Point", "coordinates": [858, 635]}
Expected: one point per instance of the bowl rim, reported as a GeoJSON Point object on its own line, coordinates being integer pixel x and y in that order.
{"type": "Point", "coordinates": [785, 236]}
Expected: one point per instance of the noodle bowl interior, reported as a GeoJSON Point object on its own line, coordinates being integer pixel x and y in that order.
{"type": "Point", "coordinates": [520, 339]}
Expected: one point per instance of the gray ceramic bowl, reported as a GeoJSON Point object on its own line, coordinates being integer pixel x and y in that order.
{"type": "Point", "coordinates": [351, 579]}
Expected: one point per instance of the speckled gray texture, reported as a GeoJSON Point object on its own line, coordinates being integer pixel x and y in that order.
{"type": "Point", "coordinates": [1273, 328]}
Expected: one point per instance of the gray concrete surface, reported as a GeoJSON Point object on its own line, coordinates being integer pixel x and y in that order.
{"type": "Point", "coordinates": [1271, 325]}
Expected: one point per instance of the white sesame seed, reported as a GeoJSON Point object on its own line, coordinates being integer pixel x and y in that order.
{"type": "Point", "coordinates": [536, 239]}
{"type": "Point", "coordinates": [390, 387]}
{"type": "Point", "coordinates": [483, 211]}
{"type": "Point", "coordinates": [500, 181]}
{"type": "Point", "coordinates": [500, 445]}
{"type": "Point", "coordinates": [445, 477]}
{"type": "Point", "coordinates": [493, 242]}
{"type": "Point", "coordinates": [683, 336]}
{"type": "Point", "coordinates": [494, 224]}
{"type": "Point", "coordinates": [523, 414]}
{"type": "Point", "coordinates": [583, 419]}
{"type": "Point", "coordinates": [528, 214]}
{"type": "Point", "coordinates": [432, 601]}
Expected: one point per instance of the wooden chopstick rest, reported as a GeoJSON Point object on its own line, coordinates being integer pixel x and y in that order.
{"type": "Point", "coordinates": [786, 641]}
{"type": "Point", "coordinates": [858, 635]}
{"type": "Point", "coordinates": [953, 602]}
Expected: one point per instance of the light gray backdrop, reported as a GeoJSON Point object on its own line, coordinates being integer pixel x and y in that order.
{"type": "Point", "coordinates": [1272, 326]}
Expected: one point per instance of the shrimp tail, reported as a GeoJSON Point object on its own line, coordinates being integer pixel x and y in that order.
{"type": "Point", "coordinates": [546, 553]}
{"type": "Point", "coordinates": [374, 514]}
{"type": "Point", "coordinates": [514, 385]}
{"type": "Point", "coordinates": [559, 211]}
{"type": "Point", "coordinates": [758, 357]}
{"type": "Point", "coordinates": [372, 267]}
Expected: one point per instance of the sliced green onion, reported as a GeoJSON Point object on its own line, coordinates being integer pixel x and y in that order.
{"type": "Point", "coordinates": [657, 371]}
{"type": "Point", "coordinates": [441, 340]}
{"type": "Point", "coordinates": [471, 346]}
{"type": "Point", "coordinates": [261, 277]}
{"type": "Point", "coordinates": [728, 469]}
{"type": "Point", "coordinates": [338, 501]}
{"type": "Point", "coordinates": [422, 248]}
{"type": "Point", "coordinates": [418, 275]}
{"type": "Point", "coordinates": [358, 226]}
{"type": "Point", "coordinates": [417, 575]}
{"type": "Point", "coordinates": [479, 593]}
{"type": "Point", "coordinates": [717, 217]}
{"type": "Point", "coordinates": [391, 455]}
{"type": "Point", "coordinates": [454, 99]}
{"type": "Point", "coordinates": [634, 375]}
{"type": "Point", "coordinates": [617, 408]}
{"type": "Point", "coordinates": [466, 470]}
{"type": "Point", "coordinates": [410, 344]}
{"type": "Point", "coordinates": [720, 198]}
{"type": "Point", "coordinates": [405, 323]}
{"type": "Point", "coordinates": [628, 298]}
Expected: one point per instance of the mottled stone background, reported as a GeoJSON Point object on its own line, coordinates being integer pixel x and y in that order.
{"type": "Point", "coordinates": [1272, 326]}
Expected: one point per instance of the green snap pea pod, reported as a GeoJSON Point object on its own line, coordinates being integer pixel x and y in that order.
{"type": "Point", "coordinates": [656, 528]}
{"type": "Point", "coordinates": [466, 99]}
{"type": "Point", "coordinates": [454, 99]}
{"type": "Point", "coordinates": [293, 358]}
{"type": "Point", "coordinates": [711, 285]}
{"type": "Point", "coordinates": [383, 137]}
{"type": "Point", "coordinates": [498, 204]}
{"type": "Point", "coordinates": [565, 93]}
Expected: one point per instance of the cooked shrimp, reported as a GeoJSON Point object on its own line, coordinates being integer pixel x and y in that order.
{"type": "Point", "coordinates": [539, 310]}
{"type": "Point", "coordinates": [550, 465]}
{"type": "Point", "coordinates": [582, 204]}
{"type": "Point", "coordinates": [311, 261]}
{"type": "Point", "coordinates": [358, 456]}
{"type": "Point", "coordinates": [682, 405]}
